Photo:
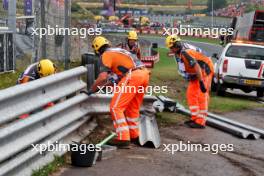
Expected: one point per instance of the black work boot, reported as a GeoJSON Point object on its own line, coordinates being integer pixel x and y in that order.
{"type": "Point", "coordinates": [135, 141]}
{"type": "Point", "coordinates": [192, 124]}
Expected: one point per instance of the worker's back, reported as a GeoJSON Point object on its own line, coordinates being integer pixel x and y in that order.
{"type": "Point", "coordinates": [120, 61]}
{"type": "Point", "coordinates": [30, 74]}
{"type": "Point", "coordinates": [205, 62]}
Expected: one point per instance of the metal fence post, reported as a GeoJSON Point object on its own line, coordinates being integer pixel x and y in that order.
{"type": "Point", "coordinates": [43, 25]}
{"type": "Point", "coordinates": [12, 27]}
{"type": "Point", "coordinates": [66, 38]}
{"type": "Point", "coordinates": [35, 6]}
{"type": "Point", "coordinates": [88, 60]}
{"type": "Point", "coordinates": [90, 75]}
{"type": "Point", "coordinates": [96, 67]}
{"type": "Point", "coordinates": [12, 16]}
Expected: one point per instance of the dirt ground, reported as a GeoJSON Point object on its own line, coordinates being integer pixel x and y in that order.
{"type": "Point", "coordinates": [247, 159]}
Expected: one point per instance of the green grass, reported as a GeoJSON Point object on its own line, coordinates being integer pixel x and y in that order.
{"type": "Point", "coordinates": [9, 79]}
{"type": "Point", "coordinates": [228, 104]}
{"type": "Point", "coordinates": [51, 167]}
{"type": "Point", "coordinates": [165, 73]}
{"type": "Point", "coordinates": [205, 40]}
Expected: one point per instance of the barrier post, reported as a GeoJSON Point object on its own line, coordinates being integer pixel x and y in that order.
{"type": "Point", "coordinates": [88, 60]}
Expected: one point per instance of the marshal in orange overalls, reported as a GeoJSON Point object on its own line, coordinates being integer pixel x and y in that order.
{"type": "Point", "coordinates": [125, 105]}
{"type": "Point", "coordinates": [197, 100]}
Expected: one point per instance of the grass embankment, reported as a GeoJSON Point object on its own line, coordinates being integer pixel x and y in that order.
{"type": "Point", "coordinates": [165, 73]}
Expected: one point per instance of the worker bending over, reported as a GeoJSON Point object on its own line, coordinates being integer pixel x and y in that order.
{"type": "Point", "coordinates": [125, 105]}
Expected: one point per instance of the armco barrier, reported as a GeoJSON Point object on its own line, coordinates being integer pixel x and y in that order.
{"type": "Point", "coordinates": [70, 119]}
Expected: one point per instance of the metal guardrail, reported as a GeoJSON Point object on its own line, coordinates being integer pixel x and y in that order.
{"type": "Point", "coordinates": [236, 128]}
{"type": "Point", "coordinates": [58, 123]}
{"type": "Point", "coordinates": [28, 97]}
{"type": "Point", "coordinates": [225, 124]}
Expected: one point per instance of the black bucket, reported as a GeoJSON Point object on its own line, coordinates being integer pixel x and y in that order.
{"type": "Point", "coordinates": [80, 159]}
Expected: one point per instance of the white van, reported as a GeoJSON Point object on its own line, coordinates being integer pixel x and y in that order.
{"type": "Point", "coordinates": [240, 66]}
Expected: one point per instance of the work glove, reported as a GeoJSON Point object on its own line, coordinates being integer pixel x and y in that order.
{"type": "Point", "coordinates": [113, 78]}
{"type": "Point", "coordinates": [90, 92]}
{"type": "Point", "coordinates": [202, 86]}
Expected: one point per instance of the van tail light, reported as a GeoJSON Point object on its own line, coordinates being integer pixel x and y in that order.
{"type": "Point", "coordinates": [225, 65]}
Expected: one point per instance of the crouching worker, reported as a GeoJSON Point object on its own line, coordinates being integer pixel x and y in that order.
{"type": "Point", "coordinates": [127, 99]}
{"type": "Point", "coordinates": [200, 71]}
{"type": "Point", "coordinates": [35, 71]}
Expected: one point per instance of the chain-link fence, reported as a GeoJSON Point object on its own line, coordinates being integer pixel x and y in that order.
{"type": "Point", "coordinates": [3, 14]}
{"type": "Point", "coordinates": [51, 13]}
{"type": "Point", "coordinates": [4, 11]}
{"type": "Point", "coordinates": [44, 13]}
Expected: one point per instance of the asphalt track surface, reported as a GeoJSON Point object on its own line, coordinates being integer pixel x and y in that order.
{"type": "Point", "coordinates": [247, 158]}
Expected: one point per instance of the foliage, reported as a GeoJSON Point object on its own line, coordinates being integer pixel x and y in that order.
{"type": "Point", "coordinates": [251, 7]}
{"type": "Point", "coordinates": [75, 7]}
{"type": "Point", "coordinates": [51, 167]}
{"type": "Point", "coordinates": [217, 4]}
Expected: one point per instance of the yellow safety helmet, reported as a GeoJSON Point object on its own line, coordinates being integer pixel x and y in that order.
{"type": "Point", "coordinates": [46, 68]}
{"type": "Point", "coordinates": [171, 40]}
{"type": "Point", "coordinates": [98, 42]}
{"type": "Point", "coordinates": [132, 35]}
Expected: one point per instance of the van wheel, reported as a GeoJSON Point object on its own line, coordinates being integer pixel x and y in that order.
{"type": "Point", "coordinates": [260, 93]}
{"type": "Point", "coordinates": [221, 90]}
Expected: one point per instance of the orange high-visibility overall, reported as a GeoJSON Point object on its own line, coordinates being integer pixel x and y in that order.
{"type": "Point", "coordinates": [197, 100]}
{"type": "Point", "coordinates": [126, 102]}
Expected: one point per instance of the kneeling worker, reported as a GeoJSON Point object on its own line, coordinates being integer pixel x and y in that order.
{"type": "Point", "coordinates": [35, 71]}
{"type": "Point", "coordinates": [125, 105]}
{"type": "Point", "coordinates": [200, 71]}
